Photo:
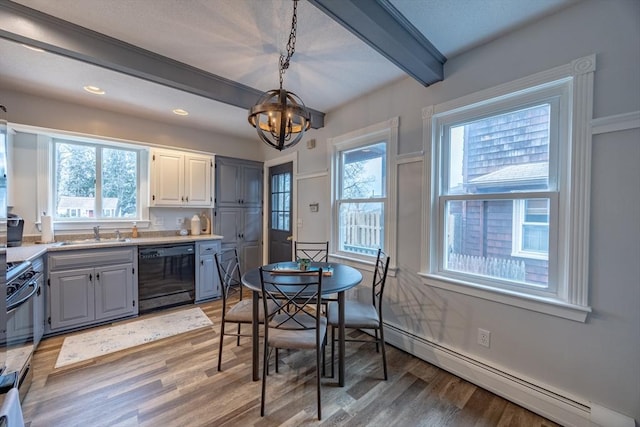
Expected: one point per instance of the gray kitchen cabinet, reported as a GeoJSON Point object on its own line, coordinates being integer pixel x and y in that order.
{"type": "Point", "coordinates": [181, 179]}
{"type": "Point", "coordinates": [207, 280]}
{"type": "Point", "coordinates": [238, 213]}
{"type": "Point", "coordinates": [241, 228]}
{"type": "Point", "coordinates": [91, 286]}
{"type": "Point", "coordinates": [238, 182]}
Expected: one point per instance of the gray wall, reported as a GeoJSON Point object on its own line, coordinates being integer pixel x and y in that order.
{"type": "Point", "coordinates": [597, 361]}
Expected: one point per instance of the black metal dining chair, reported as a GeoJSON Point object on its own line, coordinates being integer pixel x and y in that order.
{"type": "Point", "coordinates": [300, 327]}
{"type": "Point", "coordinates": [364, 315]}
{"type": "Point", "coordinates": [315, 251]}
{"type": "Point", "coordinates": [234, 309]}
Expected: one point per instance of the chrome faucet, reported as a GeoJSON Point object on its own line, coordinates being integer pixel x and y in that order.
{"type": "Point", "coordinates": [96, 232]}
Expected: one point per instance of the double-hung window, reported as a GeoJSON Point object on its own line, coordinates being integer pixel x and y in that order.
{"type": "Point", "coordinates": [361, 190]}
{"type": "Point", "coordinates": [507, 216]}
{"type": "Point", "coordinates": [95, 181]}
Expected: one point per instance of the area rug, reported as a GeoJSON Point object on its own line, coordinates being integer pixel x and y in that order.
{"type": "Point", "coordinates": [101, 341]}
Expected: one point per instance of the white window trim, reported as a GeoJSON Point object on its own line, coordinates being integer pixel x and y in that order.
{"type": "Point", "coordinates": [387, 131]}
{"type": "Point", "coordinates": [571, 301]}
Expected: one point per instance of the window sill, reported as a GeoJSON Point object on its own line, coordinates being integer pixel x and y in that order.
{"type": "Point", "coordinates": [550, 306]}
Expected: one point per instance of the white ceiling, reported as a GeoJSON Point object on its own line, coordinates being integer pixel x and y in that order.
{"type": "Point", "coordinates": [241, 40]}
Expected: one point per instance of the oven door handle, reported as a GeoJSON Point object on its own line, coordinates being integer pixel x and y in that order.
{"type": "Point", "coordinates": [15, 305]}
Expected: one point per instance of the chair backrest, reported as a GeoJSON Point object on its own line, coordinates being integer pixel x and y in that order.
{"type": "Point", "coordinates": [379, 279]}
{"type": "Point", "coordinates": [228, 265]}
{"type": "Point", "coordinates": [297, 298]}
{"type": "Point", "coordinates": [315, 251]}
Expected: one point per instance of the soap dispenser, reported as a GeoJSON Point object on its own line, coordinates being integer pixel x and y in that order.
{"type": "Point", "coordinates": [195, 225]}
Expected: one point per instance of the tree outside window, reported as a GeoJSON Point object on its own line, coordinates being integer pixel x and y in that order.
{"type": "Point", "coordinates": [83, 171]}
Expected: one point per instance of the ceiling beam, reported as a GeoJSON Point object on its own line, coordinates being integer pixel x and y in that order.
{"type": "Point", "coordinates": [379, 24]}
{"type": "Point", "coordinates": [28, 26]}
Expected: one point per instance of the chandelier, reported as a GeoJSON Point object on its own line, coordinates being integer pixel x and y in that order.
{"type": "Point", "coordinates": [279, 116]}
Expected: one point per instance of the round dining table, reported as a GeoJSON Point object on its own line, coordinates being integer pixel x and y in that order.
{"type": "Point", "coordinates": [341, 279]}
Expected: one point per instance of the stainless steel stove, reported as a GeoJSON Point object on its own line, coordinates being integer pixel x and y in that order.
{"type": "Point", "coordinates": [24, 284]}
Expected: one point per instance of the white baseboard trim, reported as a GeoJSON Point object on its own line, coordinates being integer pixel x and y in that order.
{"type": "Point", "coordinates": [549, 403]}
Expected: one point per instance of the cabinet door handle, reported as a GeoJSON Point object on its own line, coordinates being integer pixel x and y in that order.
{"type": "Point", "coordinates": [201, 262]}
{"type": "Point", "coordinates": [187, 199]}
{"type": "Point", "coordinates": [91, 277]}
{"type": "Point", "coordinates": [97, 276]}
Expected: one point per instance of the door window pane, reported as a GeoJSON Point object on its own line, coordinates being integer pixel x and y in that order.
{"type": "Point", "coordinates": [281, 201]}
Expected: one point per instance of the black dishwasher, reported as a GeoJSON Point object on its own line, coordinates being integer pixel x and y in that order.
{"type": "Point", "coordinates": [166, 276]}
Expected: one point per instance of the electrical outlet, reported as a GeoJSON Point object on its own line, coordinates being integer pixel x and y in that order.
{"type": "Point", "coordinates": [179, 221]}
{"type": "Point", "coordinates": [484, 337]}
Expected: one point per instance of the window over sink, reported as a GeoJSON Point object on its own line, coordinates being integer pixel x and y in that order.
{"type": "Point", "coordinates": [94, 181]}
{"type": "Point", "coordinates": [91, 181]}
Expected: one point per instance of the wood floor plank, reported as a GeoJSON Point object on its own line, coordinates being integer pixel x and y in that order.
{"type": "Point", "coordinates": [175, 382]}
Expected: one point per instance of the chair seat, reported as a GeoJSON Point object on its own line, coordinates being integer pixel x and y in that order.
{"type": "Point", "coordinates": [356, 315]}
{"type": "Point", "coordinates": [242, 311]}
{"type": "Point", "coordinates": [296, 338]}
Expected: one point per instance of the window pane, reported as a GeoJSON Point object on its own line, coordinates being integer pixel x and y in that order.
{"type": "Point", "coordinates": [364, 172]}
{"type": "Point", "coordinates": [535, 227]}
{"type": "Point", "coordinates": [280, 201]}
{"type": "Point", "coordinates": [501, 153]}
{"type": "Point", "coordinates": [119, 178]}
{"type": "Point", "coordinates": [361, 227]}
{"type": "Point", "coordinates": [479, 240]}
{"type": "Point", "coordinates": [75, 181]}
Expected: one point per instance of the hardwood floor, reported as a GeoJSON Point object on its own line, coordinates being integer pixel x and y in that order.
{"type": "Point", "coordinates": [174, 382]}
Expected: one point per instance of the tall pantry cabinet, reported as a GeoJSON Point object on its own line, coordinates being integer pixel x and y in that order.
{"type": "Point", "coordinates": [238, 208]}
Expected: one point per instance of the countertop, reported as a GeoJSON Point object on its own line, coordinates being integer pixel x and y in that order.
{"type": "Point", "coordinates": [31, 251]}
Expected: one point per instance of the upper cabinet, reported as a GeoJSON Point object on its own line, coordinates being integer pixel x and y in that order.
{"type": "Point", "coordinates": [181, 179]}
{"type": "Point", "coordinates": [239, 183]}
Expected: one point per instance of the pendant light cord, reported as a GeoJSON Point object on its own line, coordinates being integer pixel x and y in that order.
{"type": "Point", "coordinates": [291, 44]}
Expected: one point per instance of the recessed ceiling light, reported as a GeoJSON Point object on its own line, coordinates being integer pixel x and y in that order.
{"type": "Point", "coordinates": [180, 112]}
{"type": "Point", "coordinates": [94, 90]}
{"type": "Point", "coordinates": [36, 49]}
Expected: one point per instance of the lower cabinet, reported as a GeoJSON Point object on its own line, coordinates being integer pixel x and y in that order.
{"type": "Point", "coordinates": [242, 229]}
{"type": "Point", "coordinates": [207, 280]}
{"type": "Point", "coordinates": [91, 286]}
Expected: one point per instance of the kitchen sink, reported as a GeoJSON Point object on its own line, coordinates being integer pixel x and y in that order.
{"type": "Point", "coordinates": [92, 242]}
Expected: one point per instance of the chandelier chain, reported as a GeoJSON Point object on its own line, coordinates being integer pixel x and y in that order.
{"type": "Point", "coordinates": [291, 44]}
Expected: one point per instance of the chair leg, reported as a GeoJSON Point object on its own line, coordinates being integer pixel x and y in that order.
{"type": "Point", "coordinates": [220, 345]}
{"type": "Point", "coordinates": [324, 359]}
{"type": "Point", "coordinates": [277, 360]}
{"type": "Point", "coordinates": [238, 343]}
{"type": "Point", "coordinates": [384, 353]}
{"type": "Point", "coordinates": [333, 345]}
{"type": "Point", "coordinates": [318, 383]}
{"type": "Point", "coordinates": [375, 331]}
{"type": "Point", "coordinates": [265, 371]}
